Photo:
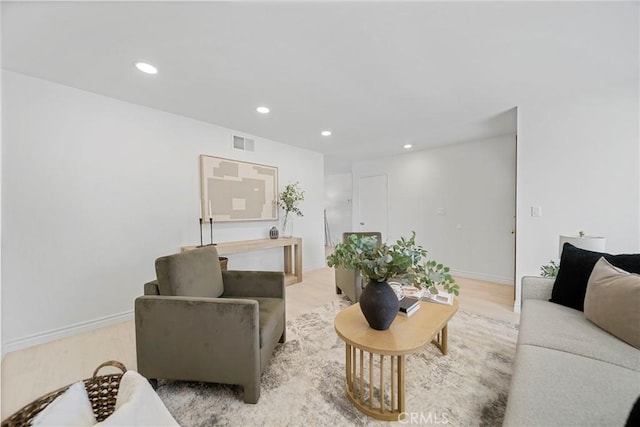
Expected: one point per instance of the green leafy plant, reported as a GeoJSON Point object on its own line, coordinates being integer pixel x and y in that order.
{"type": "Point", "coordinates": [402, 261]}
{"type": "Point", "coordinates": [549, 270]}
{"type": "Point", "coordinates": [288, 200]}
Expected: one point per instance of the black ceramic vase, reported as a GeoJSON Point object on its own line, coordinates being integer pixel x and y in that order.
{"type": "Point", "coordinates": [379, 304]}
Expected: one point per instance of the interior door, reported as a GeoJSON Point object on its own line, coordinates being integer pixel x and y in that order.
{"type": "Point", "coordinates": [373, 205]}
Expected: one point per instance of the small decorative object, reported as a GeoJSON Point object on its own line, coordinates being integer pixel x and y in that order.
{"type": "Point", "coordinates": [288, 200]}
{"type": "Point", "coordinates": [273, 233]}
{"type": "Point", "coordinates": [549, 270]}
{"type": "Point", "coordinates": [379, 262]}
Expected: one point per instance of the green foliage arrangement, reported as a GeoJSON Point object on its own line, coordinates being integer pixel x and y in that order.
{"type": "Point", "coordinates": [402, 261]}
{"type": "Point", "coordinates": [288, 200]}
{"type": "Point", "coordinates": [549, 270]}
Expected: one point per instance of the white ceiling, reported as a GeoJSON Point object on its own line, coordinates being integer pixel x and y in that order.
{"type": "Point", "coordinates": [378, 74]}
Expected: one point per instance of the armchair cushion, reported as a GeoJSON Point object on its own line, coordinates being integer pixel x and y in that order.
{"type": "Point", "coordinates": [193, 273]}
{"type": "Point", "coordinates": [270, 313]}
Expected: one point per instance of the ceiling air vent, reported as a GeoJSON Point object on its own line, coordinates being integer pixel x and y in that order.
{"type": "Point", "coordinates": [240, 143]}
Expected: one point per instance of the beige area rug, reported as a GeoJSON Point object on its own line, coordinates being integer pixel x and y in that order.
{"type": "Point", "coordinates": [304, 385]}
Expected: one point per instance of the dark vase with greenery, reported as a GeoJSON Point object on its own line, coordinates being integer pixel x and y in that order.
{"type": "Point", "coordinates": [379, 262]}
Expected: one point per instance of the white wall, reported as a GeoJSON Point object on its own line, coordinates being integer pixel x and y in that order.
{"type": "Point", "coordinates": [460, 201]}
{"type": "Point", "coordinates": [94, 189]}
{"type": "Point", "coordinates": [1, 133]}
{"type": "Point", "coordinates": [579, 160]}
{"type": "Point", "coordinates": [338, 200]}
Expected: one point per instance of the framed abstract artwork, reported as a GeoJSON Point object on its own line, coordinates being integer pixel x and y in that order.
{"type": "Point", "coordinates": [232, 190]}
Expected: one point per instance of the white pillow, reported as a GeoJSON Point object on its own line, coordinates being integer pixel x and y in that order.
{"type": "Point", "coordinates": [71, 408]}
{"type": "Point", "coordinates": [137, 404]}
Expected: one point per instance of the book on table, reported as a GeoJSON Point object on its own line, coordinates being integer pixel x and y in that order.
{"type": "Point", "coordinates": [408, 306]}
{"type": "Point", "coordinates": [440, 298]}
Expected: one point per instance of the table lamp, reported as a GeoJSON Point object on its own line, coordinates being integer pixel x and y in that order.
{"type": "Point", "coordinates": [582, 241]}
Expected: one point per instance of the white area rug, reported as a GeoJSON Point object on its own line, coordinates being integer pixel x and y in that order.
{"type": "Point", "coordinates": [305, 381]}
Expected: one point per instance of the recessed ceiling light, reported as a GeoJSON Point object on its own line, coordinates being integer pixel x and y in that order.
{"type": "Point", "coordinates": [407, 146]}
{"type": "Point", "coordinates": [262, 110]}
{"type": "Point", "coordinates": [325, 133]}
{"type": "Point", "coordinates": [146, 68]}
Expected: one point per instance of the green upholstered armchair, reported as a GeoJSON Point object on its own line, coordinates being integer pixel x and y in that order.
{"type": "Point", "coordinates": [198, 323]}
{"type": "Point", "coordinates": [350, 281]}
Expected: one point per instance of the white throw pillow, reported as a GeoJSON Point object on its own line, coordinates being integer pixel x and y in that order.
{"type": "Point", "coordinates": [137, 404]}
{"type": "Point", "coordinates": [71, 408]}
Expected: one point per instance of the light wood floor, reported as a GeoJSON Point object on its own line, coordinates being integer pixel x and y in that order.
{"type": "Point", "coordinates": [30, 373]}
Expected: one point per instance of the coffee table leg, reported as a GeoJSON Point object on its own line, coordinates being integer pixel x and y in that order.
{"type": "Point", "coordinates": [441, 339]}
{"type": "Point", "coordinates": [348, 366]}
{"type": "Point", "coordinates": [400, 384]}
{"type": "Point", "coordinates": [445, 332]}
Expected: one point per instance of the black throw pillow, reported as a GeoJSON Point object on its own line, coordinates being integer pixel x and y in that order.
{"type": "Point", "coordinates": [634, 416]}
{"type": "Point", "coordinates": [575, 268]}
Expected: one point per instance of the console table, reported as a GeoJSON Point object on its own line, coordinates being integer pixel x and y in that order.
{"type": "Point", "coordinates": [292, 247]}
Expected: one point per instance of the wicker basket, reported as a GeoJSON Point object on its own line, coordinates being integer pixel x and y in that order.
{"type": "Point", "coordinates": [102, 391]}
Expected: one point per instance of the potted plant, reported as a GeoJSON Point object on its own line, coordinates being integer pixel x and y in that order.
{"type": "Point", "coordinates": [549, 270]}
{"type": "Point", "coordinates": [378, 262]}
{"type": "Point", "coordinates": [288, 200]}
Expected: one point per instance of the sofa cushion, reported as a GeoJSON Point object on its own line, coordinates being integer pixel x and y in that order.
{"type": "Point", "coordinates": [613, 301]}
{"type": "Point", "coordinates": [271, 312]}
{"type": "Point", "coordinates": [194, 273]}
{"type": "Point", "coordinates": [575, 268]}
{"type": "Point", "coordinates": [546, 324]}
{"type": "Point", "coordinates": [556, 388]}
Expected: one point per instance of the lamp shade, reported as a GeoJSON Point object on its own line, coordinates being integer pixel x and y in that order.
{"type": "Point", "coordinates": [590, 243]}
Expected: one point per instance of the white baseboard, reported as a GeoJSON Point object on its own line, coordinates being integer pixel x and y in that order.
{"type": "Point", "coordinates": [516, 307]}
{"type": "Point", "coordinates": [484, 277]}
{"type": "Point", "coordinates": [66, 331]}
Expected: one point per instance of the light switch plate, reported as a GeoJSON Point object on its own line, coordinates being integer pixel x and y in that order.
{"type": "Point", "coordinates": [536, 211]}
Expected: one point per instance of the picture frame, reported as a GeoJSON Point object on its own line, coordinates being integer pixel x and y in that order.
{"type": "Point", "coordinates": [233, 190]}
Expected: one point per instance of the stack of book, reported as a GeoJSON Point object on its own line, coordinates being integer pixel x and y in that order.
{"type": "Point", "coordinates": [408, 306]}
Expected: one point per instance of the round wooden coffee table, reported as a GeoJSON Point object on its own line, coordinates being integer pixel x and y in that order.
{"type": "Point", "coordinates": [406, 335]}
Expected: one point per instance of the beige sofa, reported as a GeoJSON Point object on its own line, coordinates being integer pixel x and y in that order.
{"type": "Point", "coordinates": [568, 371]}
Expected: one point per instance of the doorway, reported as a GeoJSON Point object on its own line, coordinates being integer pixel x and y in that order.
{"type": "Point", "coordinates": [373, 204]}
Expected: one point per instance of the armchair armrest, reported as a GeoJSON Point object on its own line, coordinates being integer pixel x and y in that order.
{"type": "Point", "coordinates": [179, 337]}
{"type": "Point", "coordinates": [269, 284]}
{"type": "Point", "coordinates": [535, 287]}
